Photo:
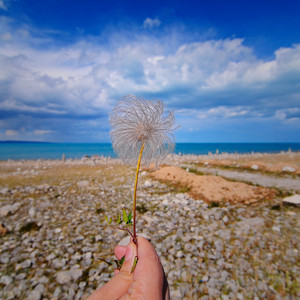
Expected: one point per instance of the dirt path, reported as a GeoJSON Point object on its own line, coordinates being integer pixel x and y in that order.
{"type": "Point", "coordinates": [260, 179]}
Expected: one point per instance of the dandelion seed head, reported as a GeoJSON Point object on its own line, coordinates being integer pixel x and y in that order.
{"type": "Point", "coordinates": [135, 121]}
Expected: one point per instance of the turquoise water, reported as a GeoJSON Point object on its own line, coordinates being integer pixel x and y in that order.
{"type": "Point", "coordinates": [28, 151]}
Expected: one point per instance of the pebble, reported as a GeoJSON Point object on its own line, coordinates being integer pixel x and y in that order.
{"type": "Point", "coordinates": [83, 183]}
{"type": "Point", "coordinates": [288, 169]}
{"type": "Point", "coordinates": [34, 295]}
{"type": "Point", "coordinates": [207, 253]}
{"type": "Point", "coordinates": [148, 183]}
{"type": "Point", "coordinates": [6, 280]}
{"type": "Point", "coordinates": [292, 200]}
{"type": "Point", "coordinates": [31, 212]}
{"type": "Point", "coordinates": [9, 209]}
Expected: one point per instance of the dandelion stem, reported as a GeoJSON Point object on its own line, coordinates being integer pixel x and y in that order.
{"type": "Point", "coordinates": [134, 193]}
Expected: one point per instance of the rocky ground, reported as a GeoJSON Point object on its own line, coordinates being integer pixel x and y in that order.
{"type": "Point", "coordinates": [54, 216]}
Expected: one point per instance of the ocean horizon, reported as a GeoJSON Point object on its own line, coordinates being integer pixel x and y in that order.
{"type": "Point", "coordinates": [15, 150]}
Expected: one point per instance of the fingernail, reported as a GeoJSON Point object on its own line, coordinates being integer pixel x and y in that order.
{"type": "Point", "coordinates": [128, 253]}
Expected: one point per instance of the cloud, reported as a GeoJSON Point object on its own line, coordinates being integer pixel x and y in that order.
{"type": "Point", "coordinates": [151, 23]}
{"type": "Point", "coordinates": [2, 5]}
{"type": "Point", "coordinates": [69, 89]}
{"type": "Point", "coordinates": [222, 112]}
{"type": "Point", "coordinates": [41, 132]}
{"type": "Point", "coordinates": [11, 132]}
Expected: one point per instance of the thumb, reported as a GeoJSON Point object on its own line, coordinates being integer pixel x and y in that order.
{"type": "Point", "coordinates": [121, 282]}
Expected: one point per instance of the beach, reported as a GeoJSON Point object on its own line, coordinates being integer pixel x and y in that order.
{"type": "Point", "coordinates": [218, 223]}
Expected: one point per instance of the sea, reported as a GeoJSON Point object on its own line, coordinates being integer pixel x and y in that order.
{"type": "Point", "coordinates": [40, 150]}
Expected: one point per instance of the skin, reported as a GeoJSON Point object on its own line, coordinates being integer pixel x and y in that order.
{"type": "Point", "coordinates": [147, 282]}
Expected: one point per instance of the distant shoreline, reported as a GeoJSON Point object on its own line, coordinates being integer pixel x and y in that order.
{"type": "Point", "coordinates": [29, 150]}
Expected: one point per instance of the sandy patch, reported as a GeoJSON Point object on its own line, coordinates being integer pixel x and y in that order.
{"type": "Point", "coordinates": [213, 188]}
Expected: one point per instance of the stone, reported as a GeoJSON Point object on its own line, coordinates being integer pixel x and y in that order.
{"type": "Point", "coordinates": [58, 263]}
{"type": "Point", "coordinates": [24, 265]}
{"type": "Point", "coordinates": [43, 279]}
{"type": "Point", "coordinates": [225, 219]}
{"type": "Point", "coordinates": [292, 200]}
{"type": "Point", "coordinates": [40, 288]}
{"type": "Point", "coordinates": [179, 254]}
{"type": "Point", "coordinates": [276, 228]}
{"type": "Point", "coordinates": [87, 255]}
{"type": "Point", "coordinates": [44, 187]}
{"type": "Point", "coordinates": [83, 183]}
{"type": "Point", "coordinates": [21, 276]}
{"type": "Point", "coordinates": [252, 223]}
{"type": "Point", "coordinates": [31, 212]}
{"type": "Point", "coordinates": [6, 280]}
{"type": "Point", "coordinates": [148, 183]}
{"type": "Point", "coordinates": [9, 209]}
{"type": "Point", "coordinates": [98, 238]}
{"type": "Point", "coordinates": [57, 293]}
{"type": "Point", "coordinates": [254, 167]}
{"type": "Point", "coordinates": [63, 277]}
{"type": "Point", "coordinates": [4, 191]}
{"type": "Point", "coordinates": [288, 169]}
{"type": "Point", "coordinates": [50, 256]}
{"type": "Point", "coordinates": [34, 295]}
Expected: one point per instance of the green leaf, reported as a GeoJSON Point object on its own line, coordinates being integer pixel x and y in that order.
{"type": "Point", "coordinates": [120, 262]}
{"type": "Point", "coordinates": [129, 217]}
{"type": "Point", "coordinates": [119, 221]}
{"type": "Point", "coordinates": [134, 264]}
{"type": "Point", "coordinates": [125, 217]}
{"type": "Point", "coordinates": [108, 221]}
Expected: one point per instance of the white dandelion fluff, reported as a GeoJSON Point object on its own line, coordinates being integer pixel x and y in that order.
{"type": "Point", "coordinates": [136, 122]}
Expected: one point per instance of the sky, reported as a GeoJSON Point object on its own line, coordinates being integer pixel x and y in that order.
{"type": "Point", "coordinates": [230, 69]}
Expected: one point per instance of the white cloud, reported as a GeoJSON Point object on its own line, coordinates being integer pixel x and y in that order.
{"type": "Point", "coordinates": [11, 132]}
{"type": "Point", "coordinates": [216, 79]}
{"type": "Point", "coordinates": [151, 23]}
{"type": "Point", "coordinates": [2, 5]}
{"type": "Point", "coordinates": [222, 112]}
{"type": "Point", "coordinates": [41, 132]}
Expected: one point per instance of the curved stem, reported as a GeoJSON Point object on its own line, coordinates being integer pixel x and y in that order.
{"type": "Point", "coordinates": [125, 229]}
{"type": "Point", "coordinates": [134, 193]}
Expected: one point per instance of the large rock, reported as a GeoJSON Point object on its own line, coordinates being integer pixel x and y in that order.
{"type": "Point", "coordinates": [292, 200]}
{"type": "Point", "coordinates": [9, 209]}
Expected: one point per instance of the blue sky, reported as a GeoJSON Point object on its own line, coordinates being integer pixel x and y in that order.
{"type": "Point", "coordinates": [229, 69]}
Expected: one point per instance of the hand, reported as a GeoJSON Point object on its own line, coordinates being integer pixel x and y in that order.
{"type": "Point", "coordinates": [147, 282]}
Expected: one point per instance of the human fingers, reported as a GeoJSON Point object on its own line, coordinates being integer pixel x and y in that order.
{"type": "Point", "coordinates": [120, 283]}
{"type": "Point", "coordinates": [149, 281]}
{"type": "Point", "coordinates": [120, 251]}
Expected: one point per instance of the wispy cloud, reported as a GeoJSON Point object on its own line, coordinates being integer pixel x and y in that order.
{"type": "Point", "coordinates": [2, 5]}
{"type": "Point", "coordinates": [151, 23]}
{"type": "Point", "coordinates": [75, 85]}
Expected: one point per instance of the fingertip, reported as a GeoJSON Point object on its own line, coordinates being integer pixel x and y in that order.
{"type": "Point", "coordinates": [120, 251]}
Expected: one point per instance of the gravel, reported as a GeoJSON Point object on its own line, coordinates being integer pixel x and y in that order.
{"type": "Point", "coordinates": [57, 235]}
{"type": "Point", "coordinates": [259, 179]}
